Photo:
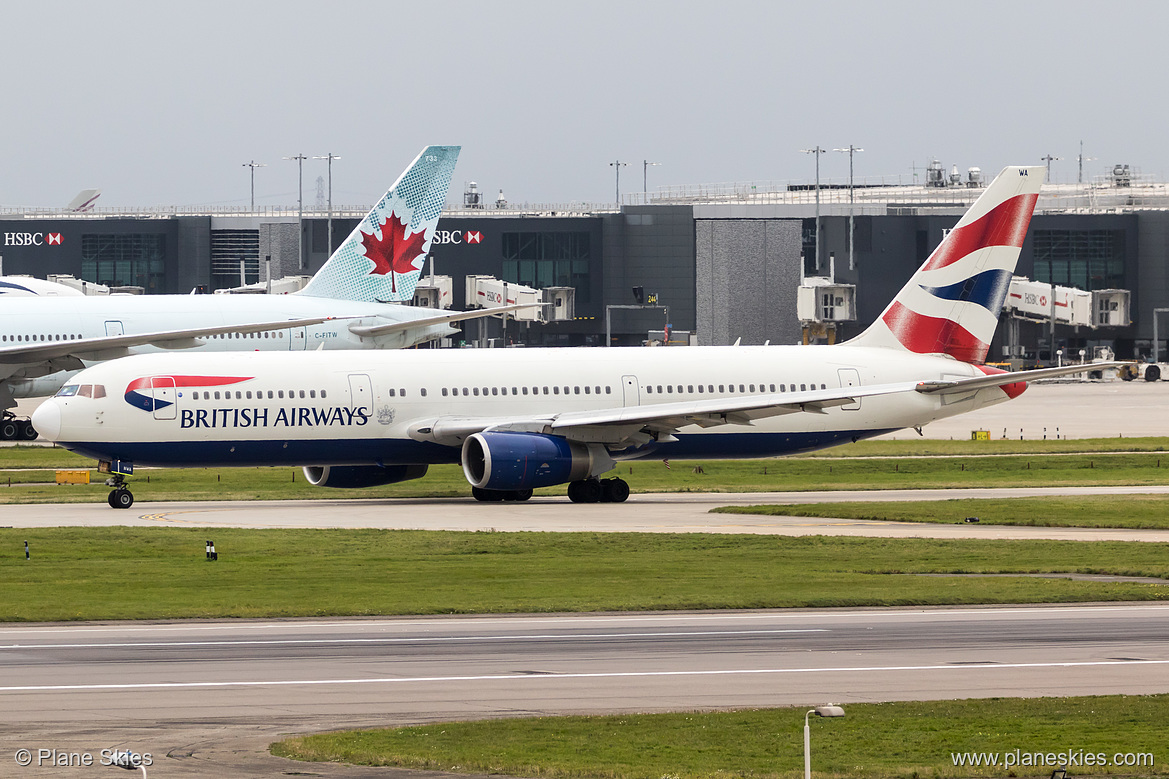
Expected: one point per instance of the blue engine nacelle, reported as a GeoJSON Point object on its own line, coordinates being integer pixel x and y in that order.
{"type": "Point", "coordinates": [354, 476]}
{"type": "Point", "coordinates": [524, 461]}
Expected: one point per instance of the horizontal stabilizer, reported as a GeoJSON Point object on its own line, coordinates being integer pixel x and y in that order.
{"type": "Point", "coordinates": [1012, 377]}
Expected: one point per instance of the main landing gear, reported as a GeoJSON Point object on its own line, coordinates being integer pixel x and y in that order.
{"type": "Point", "coordinates": [585, 491]}
{"type": "Point", "coordinates": [120, 497]}
{"type": "Point", "coordinates": [598, 491]}
{"type": "Point", "coordinates": [13, 429]}
{"type": "Point", "coordinates": [491, 496]}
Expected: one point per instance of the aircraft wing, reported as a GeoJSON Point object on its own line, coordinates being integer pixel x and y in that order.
{"type": "Point", "coordinates": [112, 346]}
{"type": "Point", "coordinates": [615, 425]}
{"type": "Point", "coordinates": [633, 423]}
{"type": "Point", "coordinates": [371, 331]}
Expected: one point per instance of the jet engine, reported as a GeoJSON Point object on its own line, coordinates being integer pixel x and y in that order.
{"type": "Point", "coordinates": [524, 461]}
{"type": "Point", "coordinates": [354, 476]}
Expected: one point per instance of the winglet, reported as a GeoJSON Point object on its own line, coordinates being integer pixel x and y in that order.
{"type": "Point", "coordinates": [382, 258]}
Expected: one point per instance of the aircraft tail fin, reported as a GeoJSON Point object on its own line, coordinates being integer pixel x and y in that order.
{"type": "Point", "coordinates": [382, 258]}
{"type": "Point", "coordinates": [951, 304]}
{"type": "Point", "coordinates": [84, 201]}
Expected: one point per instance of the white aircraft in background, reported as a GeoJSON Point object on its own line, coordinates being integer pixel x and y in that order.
{"type": "Point", "coordinates": [526, 418]}
{"type": "Point", "coordinates": [351, 303]}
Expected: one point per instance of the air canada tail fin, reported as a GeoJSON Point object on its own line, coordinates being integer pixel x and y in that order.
{"type": "Point", "coordinates": [951, 304]}
{"type": "Point", "coordinates": [383, 256]}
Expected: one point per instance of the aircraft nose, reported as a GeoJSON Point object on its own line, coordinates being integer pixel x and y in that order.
{"type": "Point", "coordinates": [47, 419]}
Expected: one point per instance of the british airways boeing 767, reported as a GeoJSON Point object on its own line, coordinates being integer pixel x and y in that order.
{"type": "Point", "coordinates": [526, 418]}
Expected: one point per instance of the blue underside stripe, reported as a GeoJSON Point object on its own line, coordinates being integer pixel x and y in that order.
{"type": "Point", "coordinates": [199, 454]}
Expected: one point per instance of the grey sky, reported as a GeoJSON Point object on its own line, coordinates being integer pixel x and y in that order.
{"type": "Point", "coordinates": [161, 103]}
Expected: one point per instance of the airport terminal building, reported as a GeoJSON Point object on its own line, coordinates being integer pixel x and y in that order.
{"type": "Point", "coordinates": [720, 263]}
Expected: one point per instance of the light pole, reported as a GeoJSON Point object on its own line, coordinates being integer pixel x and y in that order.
{"type": "Point", "coordinates": [851, 257]}
{"type": "Point", "coordinates": [253, 165]}
{"type": "Point", "coordinates": [618, 164]}
{"type": "Point", "coordinates": [1081, 158]}
{"type": "Point", "coordinates": [330, 157]}
{"type": "Point", "coordinates": [819, 711]}
{"type": "Point", "coordinates": [645, 178]}
{"type": "Point", "coordinates": [1048, 159]}
{"type": "Point", "coordinates": [300, 158]}
{"type": "Point", "coordinates": [817, 151]}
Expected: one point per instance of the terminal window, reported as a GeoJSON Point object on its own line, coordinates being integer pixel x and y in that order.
{"type": "Point", "coordinates": [228, 249]}
{"type": "Point", "coordinates": [546, 259]}
{"type": "Point", "coordinates": [1084, 259]}
{"type": "Point", "coordinates": [134, 260]}
{"type": "Point", "coordinates": [808, 247]}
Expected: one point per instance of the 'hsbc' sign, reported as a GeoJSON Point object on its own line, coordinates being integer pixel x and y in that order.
{"type": "Point", "coordinates": [442, 237]}
{"type": "Point", "coordinates": [32, 239]}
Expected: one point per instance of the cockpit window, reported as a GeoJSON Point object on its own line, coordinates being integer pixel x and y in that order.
{"type": "Point", "coordinates": [82, 391]}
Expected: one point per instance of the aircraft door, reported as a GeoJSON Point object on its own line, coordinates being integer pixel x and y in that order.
{"type": "Point", "coordinates": [631, 391]}
{"type": "Point", "coordinates": [114, 327]}
{"type": "Point", "coordinates": [165, 397]}
{"type": "Point", "coordinates": [360, 392]}
{"type": "Point", "coordinates": [296, 339]}
{"type": "Point", "coordinates": [850, 377]}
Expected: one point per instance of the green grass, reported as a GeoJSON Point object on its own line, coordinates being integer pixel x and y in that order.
{"type": "Point", "coordinates": [155, 573]}
{"type": "Point", "coordinates": [784, 474]}
{"type": "Point", "coordinates": [1117, 511]}
{"type": "Point", "coordinates": [873, 741]}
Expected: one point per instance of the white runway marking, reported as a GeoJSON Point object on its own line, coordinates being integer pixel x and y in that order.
{"type": "Point", "coordinates": [529, 677]}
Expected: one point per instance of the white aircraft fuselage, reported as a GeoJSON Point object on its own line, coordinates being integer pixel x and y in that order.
{"type": "Point", "coordinates": [40, 321]}
{"type": "Point", "coordinates": [390, 408]}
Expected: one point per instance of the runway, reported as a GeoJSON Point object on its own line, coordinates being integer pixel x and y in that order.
{"type": "Point", "coordinates": [642, 513]}
{"type": "Point", "coordinates": [258, 678]}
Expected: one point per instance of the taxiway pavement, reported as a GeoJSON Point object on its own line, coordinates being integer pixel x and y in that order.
{"type": "Point", "coordinates": [642, 513]}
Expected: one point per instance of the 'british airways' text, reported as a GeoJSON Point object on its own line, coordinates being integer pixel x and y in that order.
{"type": "Point", "coordinates": [283, 417]}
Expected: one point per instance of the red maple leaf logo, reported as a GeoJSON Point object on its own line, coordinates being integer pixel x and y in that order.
{"type": "Point", "coordinates": [396, 251]}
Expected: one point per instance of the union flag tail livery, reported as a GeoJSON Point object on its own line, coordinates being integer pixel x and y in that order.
{"type": "Point", "coordinates": [951, 304]}
{"type": "Point", "coordinates": [382, 258]}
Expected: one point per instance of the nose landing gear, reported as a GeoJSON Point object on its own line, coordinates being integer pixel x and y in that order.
{"type": "Point", "coordinates": [120, 496]}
